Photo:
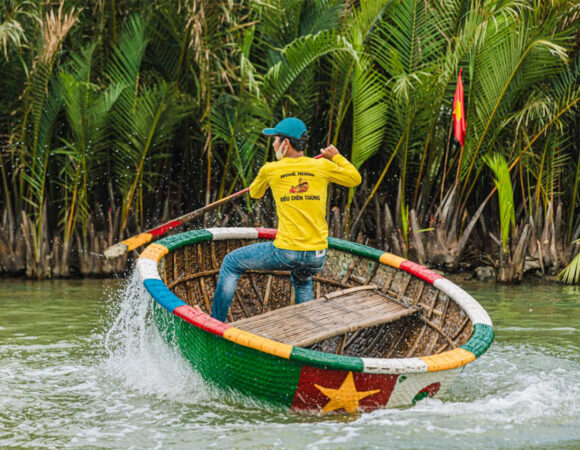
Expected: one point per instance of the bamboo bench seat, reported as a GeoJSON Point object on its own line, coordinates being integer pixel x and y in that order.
{"type": "Point", "coordinates": [334, 314]}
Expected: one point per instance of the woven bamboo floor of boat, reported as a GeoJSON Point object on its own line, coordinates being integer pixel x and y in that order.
{"type": "Point", "coordinates": [334, 314]}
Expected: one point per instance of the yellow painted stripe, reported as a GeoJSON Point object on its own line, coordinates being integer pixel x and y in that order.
{"type": "Point", "coordinates": [258, 342]}
{"type": "Point", "coordinates": [154, 252]}
{"type": "Point", "coordinates": [391, 260]}
{"type": "Point", "coordinates": [448, 360]}
{"type": "Point", "coordinates": [137, 241]}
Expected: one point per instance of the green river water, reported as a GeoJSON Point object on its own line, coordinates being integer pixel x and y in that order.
{"type": "Point", "coordinates": [81, 365]}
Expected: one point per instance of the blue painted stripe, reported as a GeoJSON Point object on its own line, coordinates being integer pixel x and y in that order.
{"type": "Point", "coordinates": [161, 293]}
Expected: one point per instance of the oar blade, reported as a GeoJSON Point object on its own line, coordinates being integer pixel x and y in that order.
{"type": "Point", "coordinates": [114, 251]}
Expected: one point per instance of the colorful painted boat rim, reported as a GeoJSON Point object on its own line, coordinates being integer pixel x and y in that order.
{"type": "Point", "coordinates": [481, 338]}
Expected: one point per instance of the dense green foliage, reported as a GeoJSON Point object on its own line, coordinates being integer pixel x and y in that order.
{"type": "Point", "coordinates": [119, 114]}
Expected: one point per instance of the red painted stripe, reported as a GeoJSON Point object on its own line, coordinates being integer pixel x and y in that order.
{"type": "Point", "coordinates": [419, 271]}
{"type": "Point", "coordinates": [267, 233]}
{"type": "Point", "coordinates": [201, 320]}
{"type": "Point", "coordinates": [165, 227]}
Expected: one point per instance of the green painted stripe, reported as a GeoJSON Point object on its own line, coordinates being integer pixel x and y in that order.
{"type": "Point", "coordinates": [481, 339]}
{"type": "Point", "coordinates": [353, 247]}
{"type": "Point", "coordinates": [230, 366]}
{"type": "Point", "coordinates": [187, 238]}
{"type": "Point", "coordinates": [327, 360]}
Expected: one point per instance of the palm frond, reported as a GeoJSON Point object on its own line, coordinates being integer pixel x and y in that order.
{"type": "Point", "coordinates": [413, 40]}
{"type": "Point", "coordinates": [369, 114]}
{"type": "Point", "coordinates": [128, 54]}
{"type": "Point", "coordinates": [146, 127]}
{"type": "Point", "coordinates": [17, 15]}
{"type": "Point", "coordinates": [571, 274]}
{"type": "Point", "coordinates": [54, 29]}
{"type": "Point", "coordinates": [11, 35]}
{"type": "Point", "coordinates": [296, 57]}
{"type": "Point", "coordinates": [320, 15]}
{"type": "Point", "coordinates": [236, 124]}
{"type": "Point", "coordinates": [498, 165]}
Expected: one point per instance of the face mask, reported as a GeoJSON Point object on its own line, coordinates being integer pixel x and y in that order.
{"type": "Point", "coordinates": [279, 153]}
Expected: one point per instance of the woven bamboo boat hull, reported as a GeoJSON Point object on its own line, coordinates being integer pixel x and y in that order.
{"type": "Point", "coordinates": [382, 332]}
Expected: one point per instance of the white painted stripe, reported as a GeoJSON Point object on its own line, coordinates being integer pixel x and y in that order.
{"type": "Point", "coordinates": [394, 365]}
{"type": "Point", "coordinates": [147, 269]}
{"type": "Point", "coordinates": [473, 309]}
{"type": "Point", "coordinates": [233, 233]}
{"type": "Point", "coordinates": [408, 387]}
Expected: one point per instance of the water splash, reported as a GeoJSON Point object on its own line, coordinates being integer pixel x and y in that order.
{"type": "Point", "coordinates": [142, 360]}
{"type": "Point", "coordinates": [140, 357]}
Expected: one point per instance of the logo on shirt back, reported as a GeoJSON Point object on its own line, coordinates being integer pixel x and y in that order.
{"type": "Point", "coordinates": [298, 191]}
{"type": "Point", "coordinates": [301, 187]}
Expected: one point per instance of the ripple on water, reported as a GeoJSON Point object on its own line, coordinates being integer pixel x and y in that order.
{"type": "Point", "coordinates": [123, 386]}
{"type": "Point", "coordinates": [513, 394]}
{"type": "Point", "coordinates": [538, 329]}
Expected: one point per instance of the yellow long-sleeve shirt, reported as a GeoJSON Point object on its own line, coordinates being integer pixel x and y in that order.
{"type": "Point", "coordinates": [299, 187]}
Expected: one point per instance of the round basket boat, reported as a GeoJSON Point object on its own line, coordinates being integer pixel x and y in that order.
{"type": "Point", "coordinates": [381, 332]}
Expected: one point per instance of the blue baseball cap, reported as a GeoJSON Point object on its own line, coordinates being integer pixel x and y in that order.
{"type": "Point", "coordinates": [290, 127]}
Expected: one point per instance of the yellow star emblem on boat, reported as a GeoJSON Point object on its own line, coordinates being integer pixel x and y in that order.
{"type": "Point", "coordinates": [345, 397]}
{"type": "Point", "coordinates": [457, 110]}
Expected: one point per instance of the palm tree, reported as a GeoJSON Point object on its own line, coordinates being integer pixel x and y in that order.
{"type": "Point", "coordinates": [88, 110]}
{"type": "Point", "coordinates": [144, 118]}
{"type": "Point", "coordinates": [41, 108]}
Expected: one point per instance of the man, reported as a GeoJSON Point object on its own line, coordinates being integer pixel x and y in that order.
{"type": "Point", "coordinates": [299, 186]}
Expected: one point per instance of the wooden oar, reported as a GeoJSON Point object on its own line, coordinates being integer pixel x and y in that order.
{"type": "Point", "coordinates": [134, 242]}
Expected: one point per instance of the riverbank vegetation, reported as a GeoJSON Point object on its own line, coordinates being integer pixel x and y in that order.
{"type": "Point", "coordinates": [117, 115]}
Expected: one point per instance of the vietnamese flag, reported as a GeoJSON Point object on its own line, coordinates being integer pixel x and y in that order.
{"type": "Point", "coordinates": [459, 111]}
{"type": "Point", "coordinates": [338, 390]}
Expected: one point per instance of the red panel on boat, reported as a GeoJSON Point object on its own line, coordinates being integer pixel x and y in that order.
{"type": "Point", "coordinates": [267, 233]}
{"type": "Point", "coordinates": [201, 319]}
{"type": "Point", "coordinates": [164, 228]}
{"type": "Point", "coordinates": [339, 390]}
{"type": "Point", "coordinates": [419, 271]}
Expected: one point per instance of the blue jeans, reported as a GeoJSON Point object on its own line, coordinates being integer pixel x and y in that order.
{"type": "Point", "coordinates": [264, 256]}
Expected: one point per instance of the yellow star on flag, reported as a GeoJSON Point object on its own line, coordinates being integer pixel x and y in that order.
{"type": "Point", "coordinates": [346, 396]}
{"type": "Point", "coordinates": [457, 111]}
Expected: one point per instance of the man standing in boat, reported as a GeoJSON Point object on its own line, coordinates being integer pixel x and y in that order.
{"type": "Point", "coordinates": [299, 186]}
